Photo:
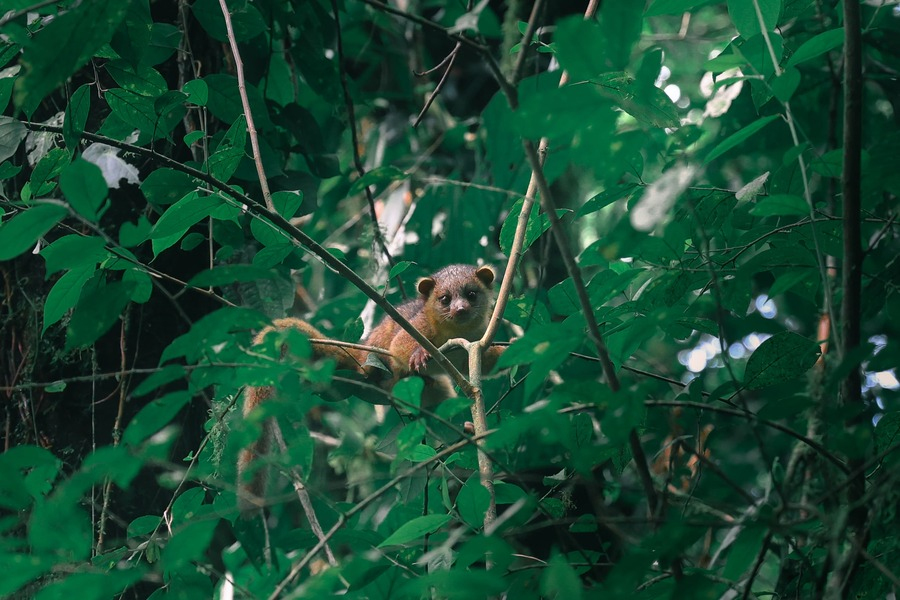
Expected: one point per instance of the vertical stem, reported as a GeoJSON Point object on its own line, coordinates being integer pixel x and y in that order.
{"type": "Point", "coordinates": [245, 101]}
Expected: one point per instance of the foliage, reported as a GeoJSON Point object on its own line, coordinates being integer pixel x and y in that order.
{"type": "Point", "coordinates": [696, 147]}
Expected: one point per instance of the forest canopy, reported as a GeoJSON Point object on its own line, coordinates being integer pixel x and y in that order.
{"type": "Point", "coordinates": [687, 387]}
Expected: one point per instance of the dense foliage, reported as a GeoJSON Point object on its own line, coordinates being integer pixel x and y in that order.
{"type": "Point", "coordinates": [699, 399]}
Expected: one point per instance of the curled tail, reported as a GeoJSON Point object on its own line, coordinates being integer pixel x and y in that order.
{"type": "Point", "coordinates": [251, 489]}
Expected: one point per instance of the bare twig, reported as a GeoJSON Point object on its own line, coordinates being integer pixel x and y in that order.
{"type": "Point", "coordinates": [248, 114]}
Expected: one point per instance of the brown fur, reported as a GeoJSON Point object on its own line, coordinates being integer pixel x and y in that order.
{"type": "Point", "coordinates": [454, 302]}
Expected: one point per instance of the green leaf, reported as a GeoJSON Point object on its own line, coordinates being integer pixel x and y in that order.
{"type": "Point", "coordinates": [415, 529]}
{"type": "Point", "coordinates": [230, 274]}
{"type": "Point", "coordinates": [164, 376]}
{"type": "Point", "coordinates": [817, 45]}
{"type": "Point", "coordinates": [59, 526]}
{"type": "Point", "coordinates": [607, 197]}
{"type": "Point", "coordinates": [63, 46]}
{"type": "Point", "coordinates": [154, 416]}
{"type": "Point", "coordinates": [559, 580]}
{"type": "Point", "coordinates": [197, 91]}
{"type": "Point", "coordinates": [183, 214]}
{"type": "Point", "coordinates": [537, 225]}
{"type": "Point", "coordinates": [784, 86]}
{"type": "Point", "coordinates": [472, 502]}
{"type": "Point", "coordinates": [747, 21]}
{"type": "Point", "coordinates": [20, 569]}
{"type": "Point", "coordinates": [780, 205]}
{"type": "Point", "coordinates": [144, 80]}
{"type": "Point", "coordinates": [287, 203]}
{"type": "Point", "coordinates": [246, 19]}
{"type": "Point", "coordinates": [84, 187]}
{"type": "Point", "coordinates": [92, 586]}
{"type": "Point", "coordinates": [742, 554]}
{"type": "Point", "coordinates": [420, 453]}
{"type": "Point", "coordinates": [646, 103]}
{"type": "Point", "coordinates": [188, 544]}
{"type": "Point", "coordinates": [49, 167]}
{"type": "Point", "coordinates": [20, 233]}
{"type": "Point", "coordinates": [12, 132]}
{"type": "Point", "coordinates": [783, 357]}
{"type": "Point", "coordinates": [76, 116]}
{"type": "Point", "coordinates": [142, 526]}
{"type": "Point", "coordinates": [97, 310]}
{"type": "Point", "coordinates": [73, 252]}
{"type": "Point", "coordinates": [165, 186]}
{"type": "Point", "coordinates": [399, 268]}
{"type": "Point", "coordinates": [378, 177]}
{"type": "Point", "coordinates": [225, 160]}
{"type": "Point", "coordinates": [64, 294]}
{"type": "Point", "coordinates": [738, 137]}
{"type": "Point", "coordinates": [133, 109]}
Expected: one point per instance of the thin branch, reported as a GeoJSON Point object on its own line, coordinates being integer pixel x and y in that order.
{"type": "Point", "coordinates": [245, 102]}
{"type": "Point", "coordinates": [449, 60]}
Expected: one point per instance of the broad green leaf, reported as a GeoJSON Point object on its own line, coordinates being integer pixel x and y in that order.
{"type": "Point", "coordinates": [742, 554]}
{"type": "Point", "coordinates": [144, 80]}
{"type": "Point", "coordinates": [225, 101]}
{"type": "Point", "coordinates": [378, 177]}
{"type": "Point", "coordinates": [187, 506]}
{"type": "Point", "coordinates": [133, 109]}
{"type": "Point", "coordinates": [225, 160]}
{"type": "Point", "coordinates": [188, 544]}
{"type": "Point", "coordinates": [646, 103]}
{"type": "Point", "coordinates": [817, 45]}
{"type": "Point", "coordinates": [20, 233]}
{"type": "Point", "coordinates": [780, 205]}
{"type": "Point", "coordinates": [20, 569]}
{"type": "Point", "coordinates": [164, 376]}
{"type": "Point", "coordinates": [165, 186]}
{"type": "Point", "coordinates": [415, 529]}
{"type": "Point", "coordinates": [97, 310]}
{"type": "Point", "coordinates": [64, 294]}
{"type": "Point", "coordinates": [47, 168]}
{"type": "Point", "coordinates": [229, 274]}
{"type": "Point", "coordinates": [287, 203]}
{"type": "Point", "coordinates": [606, 197]}
{"type": "Point", "coordinates": [472, 502]}
{"type": "Point", "coordinates": [179, 217]}
{"type": "Point", "coordinates": [399, 268]}
{"type": "Point", "coordinates": [197, 91]}
{"type": "Point", "coordinates": [784, 86]}
{"type": "Point", "coordinates": [246, 19]}
{"type": "Point", "coordinates": [59, 526]}
{"type": "Point", "coordinates": [115, 463]}
{"type": "Point", "coordinates": [84, 187]}
{"type": "Point", "coordinates": [92, 586]}
{"type": "Point", "coordinates": [64, 45]}
{"type": "Point", "coordinates": [783, 357]}
{"type": "Point", "coordinates": [154, 416]}
{"type": "Point", "coordinates": [738, 137]}
{"type": "Point", "coordinates": [76, 116]}
{"type": "Point", "coordinates": [420, 453]}
{"type": "Point", "coordinates": [142, 526]}
{"type": "Point", "coordinates": [559, 580]}
{"type": "Point", "coordinates": [746, 19]}
{"type": "Point", "coordinates": [73, 252]}
{"type": "Point", "coordinates": [12, 132]}
{"type": "Point", "coordinates": [537, 225]}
